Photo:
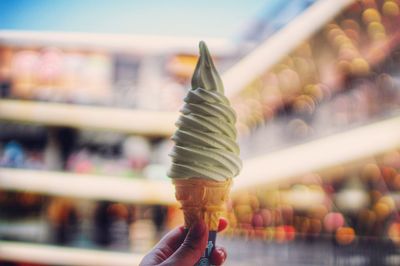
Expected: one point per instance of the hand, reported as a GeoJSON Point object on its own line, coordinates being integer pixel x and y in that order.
{"type": "Point", "coordinates": [178, 248]}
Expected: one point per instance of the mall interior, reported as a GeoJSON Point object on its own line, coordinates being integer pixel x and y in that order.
{"type": "Point", "coordinates": [90, 92]}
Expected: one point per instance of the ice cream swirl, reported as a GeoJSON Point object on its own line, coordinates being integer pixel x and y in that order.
{"type": "Point", "coordinates": [205, 142]}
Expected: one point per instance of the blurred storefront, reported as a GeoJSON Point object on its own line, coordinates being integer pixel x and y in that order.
{"type": "Point", "coordinates": [85, 121]}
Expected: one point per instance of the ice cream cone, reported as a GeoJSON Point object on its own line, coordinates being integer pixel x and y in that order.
{"type": "Point", "coordinates": [205, 157]}
{"type": "Point", "coordinates": [202, 199]}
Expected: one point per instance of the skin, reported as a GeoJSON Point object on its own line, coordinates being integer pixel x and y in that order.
{"type": "Point", "coordinates": [205, 142]}
{"type": "Point", "coordinates": [184, 249]}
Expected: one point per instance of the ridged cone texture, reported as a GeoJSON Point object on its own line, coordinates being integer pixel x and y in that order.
{"type": "Point", "coordinates": [202, 199]}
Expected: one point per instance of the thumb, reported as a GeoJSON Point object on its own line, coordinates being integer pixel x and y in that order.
{"type": "Point", "coordinates": [192, 247]}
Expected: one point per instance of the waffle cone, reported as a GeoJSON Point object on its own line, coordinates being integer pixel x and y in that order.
{"type": "Point", "coordinates": [202, 199]}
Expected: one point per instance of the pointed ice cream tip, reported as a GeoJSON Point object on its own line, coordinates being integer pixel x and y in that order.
{"type": "Point", "coordinates": [205, 54]}
{"type": "Point", "coordinates": [202, 45]}
{"type": "Point", "coordinates": [205, 75]}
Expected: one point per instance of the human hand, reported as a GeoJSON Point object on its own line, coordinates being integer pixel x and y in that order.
{"type": "Point", "coordinates": [179, 248]}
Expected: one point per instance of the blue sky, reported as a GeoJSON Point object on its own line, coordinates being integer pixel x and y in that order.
{"type": "Point", "coordinates": [218, 18]}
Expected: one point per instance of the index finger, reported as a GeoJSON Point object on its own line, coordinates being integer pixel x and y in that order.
{"type": "Point", "coordinates": [173, 239]}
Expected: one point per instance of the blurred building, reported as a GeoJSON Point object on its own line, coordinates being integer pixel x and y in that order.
{"type": "Point", "coordinates": [85, 121]}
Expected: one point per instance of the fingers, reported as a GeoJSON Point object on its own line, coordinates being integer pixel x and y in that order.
{"type": "Point", "coordinates": [179, 248]}
{"type": "Point", "coordinates": [192, 247]}
{"type": "Point", "coordinates": [165, 248]}
{"type": "Point", "coordinates": [218, 256]}
{"type": "Point", "coordinates": [173, 239]}
{"type": "Point", "coordinates": [223, 224]}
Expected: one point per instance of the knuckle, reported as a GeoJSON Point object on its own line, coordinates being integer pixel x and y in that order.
{"type": "Point", "coordinates": [190, 245]}
{"type": "Point", "coordinates": [163, 251]}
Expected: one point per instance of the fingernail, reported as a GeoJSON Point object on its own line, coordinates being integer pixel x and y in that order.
{"type": "Point", "coordinates": [222, 224]}
{"type": "Point", "coordinates": [223, 252]}
{"type": "Point", "coordinates": [223, 255]}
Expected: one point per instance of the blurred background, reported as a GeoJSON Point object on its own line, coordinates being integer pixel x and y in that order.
{"type": "Point", "coordinates": [90, 91]}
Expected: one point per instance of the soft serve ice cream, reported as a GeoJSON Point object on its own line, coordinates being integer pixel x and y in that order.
{"type": "Point", "coordinates": [205, 142]}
